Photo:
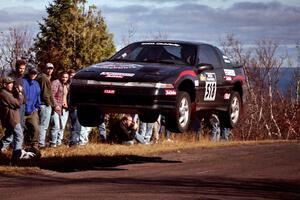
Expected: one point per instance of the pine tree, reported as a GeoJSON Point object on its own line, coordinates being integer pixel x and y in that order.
{"type": "Point", "coordinates": [71, 37]}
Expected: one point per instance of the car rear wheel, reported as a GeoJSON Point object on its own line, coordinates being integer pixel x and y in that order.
{"type": "Point", "coordinates": [178, 121]}
{"type": "Point", "coordinates": [231, 117]}
{"type": "Point", "coordinates": [88, 116]}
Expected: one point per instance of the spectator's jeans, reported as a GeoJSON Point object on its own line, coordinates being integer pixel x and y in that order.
{"type": "Point", "coordinates": [79, 134]}
{"type": "Point", "coordinates": [102, 130]}
{"type": "Point", "coordinates": [22, 115]}
{"type": "Point", "coordinates": [215, 128]}
{"type": "Point", "coordinates": [165, 131]}
{"type": "Point", "coordinates": [45, 115]}
{"type": "Point", "coordinates": [155, 135]}
{"type": "Point", "coordinates": [14, 135]}
{"type": "Point", "coordinates": [138, 137]}
{"type": "Point", "coordinates": [146, 130]}
{"type": "Point", "coordinates": [225, 132]}
{"type": "Point", "coordinates": [57, 130]}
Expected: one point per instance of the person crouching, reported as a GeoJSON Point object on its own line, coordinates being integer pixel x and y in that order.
{"type": "Point", "coordinates": [125, 132]}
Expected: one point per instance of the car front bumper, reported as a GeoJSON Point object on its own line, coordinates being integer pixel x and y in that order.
{"type": "Point", "coordinates": [123, 97]}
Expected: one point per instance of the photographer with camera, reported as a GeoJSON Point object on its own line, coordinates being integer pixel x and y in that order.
{"type": "Point", "coordinates": [10, 119]}
{"type": "Point", "coordinates": [125, 132]}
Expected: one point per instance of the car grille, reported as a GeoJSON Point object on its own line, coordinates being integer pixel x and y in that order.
{"type": "Point", "coordinates": [131, 97]}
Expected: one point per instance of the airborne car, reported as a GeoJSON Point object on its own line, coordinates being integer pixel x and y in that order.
{"type": "Point", "coordinates": [172, 78]}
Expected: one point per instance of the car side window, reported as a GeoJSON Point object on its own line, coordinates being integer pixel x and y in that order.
{"type": "Point", "coordinates": [209, 55]}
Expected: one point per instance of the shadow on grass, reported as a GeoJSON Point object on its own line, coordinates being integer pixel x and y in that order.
{"type": "Point", "coordinates": [81, 163]}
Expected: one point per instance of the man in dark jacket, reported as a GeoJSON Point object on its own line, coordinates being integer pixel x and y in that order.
{"type": "Point", "coordinates": [10, 119]}
{"type": "Point", "coordinates": [18, 75]}
{"type": "Point", "coordinates": [124, 132]}
{"type": "Point", "coordinates": [46, 102]}
{"type": "Point", "coordinates": [33, 101]}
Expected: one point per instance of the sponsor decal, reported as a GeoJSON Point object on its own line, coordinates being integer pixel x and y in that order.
{"type": "Point", "coordinates": [161, 43]}
{"type": "Point", "coordinates": [121, 66]}
{"type": "Point", "coordinates": [170, 92]}
{"type": "Point", "coordinates": [229, 72]}
{"type": "Point", "coordinates": [109, 91]}
{"type": "Point", "coordinates": [124, 55]}
{"type": "Point", "coordinates": [202, 77]}
{"type": "Point", "coordinates": [210, 76]}
{"type": "Point", "coordinates": [226, 59]}
{"type": "Point", "coordinates": [227, 96]}
{"type": "Point", "coordinates": [228, 78]}
{"type": "Point", "coordinates": [116, 74]}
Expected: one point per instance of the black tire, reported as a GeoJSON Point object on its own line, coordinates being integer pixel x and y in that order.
{"type": "Point", "coordinates": [230, 118]}
{"type": "Point", "coordinates": [149, 118]}
{"type": "Point", "coordinates": [179, 120]}
{"type": "Point", "coordinates": [89, 116]}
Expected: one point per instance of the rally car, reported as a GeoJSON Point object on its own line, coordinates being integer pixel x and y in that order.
{"type": "Point", "coordinates": [171, 78]}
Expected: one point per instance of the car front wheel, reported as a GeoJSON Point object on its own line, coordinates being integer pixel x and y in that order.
{"type": "Point", "coordinates": [178, 121]}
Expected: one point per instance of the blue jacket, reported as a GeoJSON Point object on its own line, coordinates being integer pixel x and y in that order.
{"type": "Point", "coordinates": [32, 92]}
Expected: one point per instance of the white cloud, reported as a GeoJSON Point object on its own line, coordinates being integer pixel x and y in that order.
{"type": "Point", "coordinates": [249, 21]}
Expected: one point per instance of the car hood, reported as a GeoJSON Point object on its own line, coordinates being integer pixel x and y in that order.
{"type": "Point", "coordinates": [130, 72]}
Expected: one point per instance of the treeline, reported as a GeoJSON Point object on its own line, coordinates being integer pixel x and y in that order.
{"type": "Point", "coordinates": [73, 35]}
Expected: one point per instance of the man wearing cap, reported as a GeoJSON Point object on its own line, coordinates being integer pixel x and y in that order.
{"type": "Point", "coordinates": [10, 119]}
{"type": "Point", "coordinates": [33, 101]}
{"type": "Point", "coordinates": [46, 102]}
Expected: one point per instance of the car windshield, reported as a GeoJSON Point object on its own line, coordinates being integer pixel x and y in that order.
{"type": "Point", "coordinates": [158, 52]}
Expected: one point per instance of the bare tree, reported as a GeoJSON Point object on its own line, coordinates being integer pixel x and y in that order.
{"type": "Point", "coordinates": [14, 45]}
{"type": "Point", "coordinates": [127, 39]}
{"type": "Point", "coordinates": [269, 113]}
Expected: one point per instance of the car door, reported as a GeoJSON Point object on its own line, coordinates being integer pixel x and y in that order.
{"type": "Point", "coordinates": [211, 82]}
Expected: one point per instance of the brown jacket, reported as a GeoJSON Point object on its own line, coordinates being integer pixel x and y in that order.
{"type": "Point", "coordinates": [46, 94]}
{"type": "Point", "coordinates": [18, 82]}
{"type": "Point", "coordinates": [9, 108]}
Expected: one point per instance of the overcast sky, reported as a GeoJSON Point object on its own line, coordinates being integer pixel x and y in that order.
{"type": "Point", "coordinates": [198, 20]}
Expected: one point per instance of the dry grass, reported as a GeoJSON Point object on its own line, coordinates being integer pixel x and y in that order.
{"type": "Point", "coordinates": [141, 150]}
{"type": "Point", "coordinates": [103, 154]}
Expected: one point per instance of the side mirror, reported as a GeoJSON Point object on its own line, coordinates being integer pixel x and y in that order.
{"type": "Point", "coordinates": [204, 66]}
